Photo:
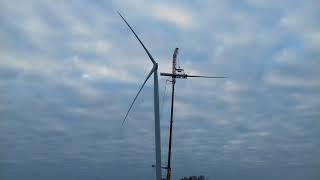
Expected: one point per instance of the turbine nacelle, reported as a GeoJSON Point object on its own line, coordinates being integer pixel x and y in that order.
{"type": "Point", "coordinates": [185, 76]}
{"type": "Point", "coordinates": [182, 76]}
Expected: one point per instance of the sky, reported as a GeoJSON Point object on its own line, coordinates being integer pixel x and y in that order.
{"type": "Point", "coordinates": [70, 69]}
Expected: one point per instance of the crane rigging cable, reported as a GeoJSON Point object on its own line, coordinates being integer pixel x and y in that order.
{"type": "Point", "coordinates": [163, 100]}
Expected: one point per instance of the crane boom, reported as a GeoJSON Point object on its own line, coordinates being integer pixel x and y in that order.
{"type": "Point", "coordinates": [173, 76]}
{"type": "Point", "coordinates": [174, 64]}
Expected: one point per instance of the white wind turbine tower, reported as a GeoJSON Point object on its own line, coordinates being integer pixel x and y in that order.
{"type": "Point", "coordinates": [154, 70]}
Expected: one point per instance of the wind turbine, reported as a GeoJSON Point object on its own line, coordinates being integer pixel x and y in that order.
{"type": "Point", "coordinates": [153, 71]}
{"type": "Point", "coordinates": [176, 73]}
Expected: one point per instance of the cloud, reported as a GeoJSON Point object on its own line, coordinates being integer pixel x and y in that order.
{"type": "Point", "coordinates": [96, 47]}
{"type": "Point", "coordinates": [290, 81]}
{"type": "Point", "coordinates": [175, 15]}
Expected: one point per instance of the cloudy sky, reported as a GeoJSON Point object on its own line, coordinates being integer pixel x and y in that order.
{"type": "Point", "coordinates": [70, 69]}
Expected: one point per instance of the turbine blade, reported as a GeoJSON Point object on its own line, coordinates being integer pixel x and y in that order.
{"type": "Point", "coordinates": [206, 76]}
{"type": "Point", "coordinates": [152, 70]}
{"type": "Point", "coordinates": [150, 56]}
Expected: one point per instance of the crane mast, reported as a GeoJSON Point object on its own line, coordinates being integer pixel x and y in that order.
{"type": "Point", "coordinates": [177, 73]}
{"type": "Point", "coordinates": [173, 80]}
